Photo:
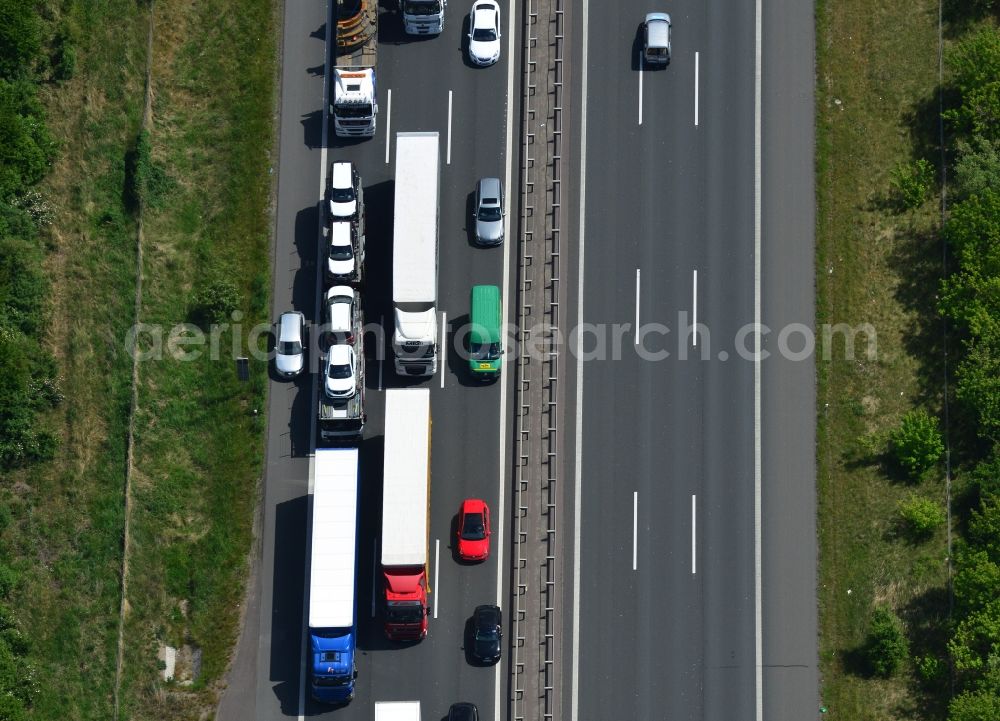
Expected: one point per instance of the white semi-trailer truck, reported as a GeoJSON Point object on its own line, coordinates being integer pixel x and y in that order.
{"type": "Point", "coordinates": [415, 254]}
{"type": "Point", "coordinates": [333, 571]}
{"type": "Point", "coordinates": [406, 486]}
{"type": "Point", "coordinates": [397, 711]}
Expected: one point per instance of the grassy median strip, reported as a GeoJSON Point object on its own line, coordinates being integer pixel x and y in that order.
{"type": "Point", "coordinates": [200, 173]}
{"type": "Point", "coordinates": [879, 262]}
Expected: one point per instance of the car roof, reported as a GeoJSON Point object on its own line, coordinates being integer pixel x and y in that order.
{"type": "Point", "coordinates": [340, 174]}
{"type": "Point", "coordinates": [340, 232]}
{"type": "Point", "coordinates": [658, 25]}
{"type": "Point", "coordinates": [489, 188]}
{"type": "Point", "coordinates": [291, 324]}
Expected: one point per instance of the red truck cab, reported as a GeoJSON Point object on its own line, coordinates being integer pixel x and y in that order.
{"type": "Point", "coordinates": [406, 606]}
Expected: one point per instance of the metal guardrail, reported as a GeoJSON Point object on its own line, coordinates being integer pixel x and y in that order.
{"type": "Point", "coordinates": [546, 437]}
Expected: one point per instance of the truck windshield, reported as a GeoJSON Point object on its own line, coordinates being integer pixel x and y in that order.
{"type": "Point", "coordinates": [354, 110]}
{"type": "Point", "coordinates": [412, 612]}
{"type": "Point", "coordinates": [422, 7]}
{"type": "Point", "coordinates": [485, 351]}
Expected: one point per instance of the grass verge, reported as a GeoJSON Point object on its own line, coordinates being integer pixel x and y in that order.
{"type": "Point", "coordinates": [876, 108]}
{"type": "Point", "coordinates": [198, 444]}
{"type": "Point", "coordinates": [203, 169]}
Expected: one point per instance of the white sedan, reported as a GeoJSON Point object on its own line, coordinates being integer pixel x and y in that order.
{"type": "Point", "coordinates": [484, 32]}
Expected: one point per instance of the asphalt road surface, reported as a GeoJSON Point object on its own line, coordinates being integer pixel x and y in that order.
{"type": "Point", "coordinates": [431, 88]}
{"type": "Point", "coordinates": [696, 594]}
{"type": "Point", "coordinates": [695, 579]}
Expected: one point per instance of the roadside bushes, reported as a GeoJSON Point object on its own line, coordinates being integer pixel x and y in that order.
{"type": "Point", "coordinates": [887, 647]}
{"type": "Point", "coordinates": [916, 445]}
{"type": "Point", "coordinates": [912, 183]}
{"type": "Point", "coordinates": [970, 300]}
{"type": "Point", "coordinates": [921, 515]}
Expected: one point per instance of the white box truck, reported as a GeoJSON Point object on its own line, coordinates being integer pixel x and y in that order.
{"type": "Point", "coordinates": [406, 484]}
{"type": "Point", "coordinates": [397, 711]}
{"type": "Point", "coordinates": [332, 575]}
{"type": "Point", "coordinates": [415, 254]}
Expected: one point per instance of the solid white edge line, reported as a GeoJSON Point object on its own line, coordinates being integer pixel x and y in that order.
{"type": "Point", "coordinates": [388, 122]}
{"type": "Point", "coordinates": [374, 573]}
{"type": "Point", "coordinates": [502, 471]}
{"type": "Point", "coordinates": [758, 592]}
{"type": "Point", "coordinates": [694, 306]}
{"type": "Point", "coordinates": [577, 470]}
{"type": "Point", "coordinates": [696, 59]}
{"type": "Point", "coordinates": [637, 306]}
{"type": "Point", "coordinates": [437, 567]}
{"type": "Point", "coordinates": [694, 534]}
{"type": "Point", "coordinates": [324, 142]}
{"type": "Point", "coordinates": [448, 158]}
{"type": "Point", "coordinates": [635, 530]}
{"type": "Point", "coordinates": [444, 322]}
{"type": "Point", "coordinates": [381, 353]}
{"type": "Point", "coordinates": [640, 87]}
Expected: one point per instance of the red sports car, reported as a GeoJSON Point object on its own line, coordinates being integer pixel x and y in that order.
{"type": "Point", "coordinates": [473, 530]}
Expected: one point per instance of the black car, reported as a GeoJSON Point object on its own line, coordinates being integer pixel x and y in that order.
{"type": "Point", "coordinates": [463, 712]}
{"type": "Point", "coordinates": [487, 632]}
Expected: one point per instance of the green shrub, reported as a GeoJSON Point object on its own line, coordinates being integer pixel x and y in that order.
{"type": "Point", "coordinates": [930, 669]}
{"type": "Point", "coordinates": [921, 515]}
{"type": "Point", "coordinates": [916, 444]}
{"type": "Point", "coordinates": [63, 55]}
{"type": "Point", "coordinates": [979, 706]}
{"type": "Point", "coordinates": [977, 168]}
{"type": "Point", "coordinates": [26, 148]}
{"type": "Point", "coordinates": [975, 65]}
{"type": "Point", "coordinates": [912, 183]}
{"type": "Point", "coordinates": [8, 579]}
{"type": "Point", "coordinates": [20, 37]}
{"type": "Point", "coordinates": [887, 647]}
{"type": "Point", "coordinates": [216, 302]}
{"type": "Point", "coordinates": [977, 578]}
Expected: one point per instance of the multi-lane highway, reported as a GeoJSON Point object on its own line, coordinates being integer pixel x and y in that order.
{"type": "Point", "coordinates": [691, 591]}
{"type": "Point", "coordinates": [694, 576]}
{"type": "Point", "coordinates": [423, 85]}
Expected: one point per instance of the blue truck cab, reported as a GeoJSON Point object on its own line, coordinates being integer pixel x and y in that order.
{"type": "Point", "coordinates": [333, 671]}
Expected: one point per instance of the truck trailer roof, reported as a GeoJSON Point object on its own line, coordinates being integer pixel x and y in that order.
{"type": "Point", "coordinates": [415, 219]}
{"type": "Point", "coordinates": [334, 538]}
{"type": "Point", "coordinates": [406, 476]}
{"type": "Point", "coordinates": [397, 711]}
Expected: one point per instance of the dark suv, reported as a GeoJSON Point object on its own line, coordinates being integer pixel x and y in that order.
{"type": "Point", "coordinates": [487, 632]}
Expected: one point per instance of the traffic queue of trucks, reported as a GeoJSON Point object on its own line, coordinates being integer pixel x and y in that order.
{"type": "Point", "coordinates": [334, 511]}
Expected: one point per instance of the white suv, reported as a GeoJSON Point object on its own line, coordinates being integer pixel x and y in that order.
{"type": "Point", "coordinates": [343, 191]}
